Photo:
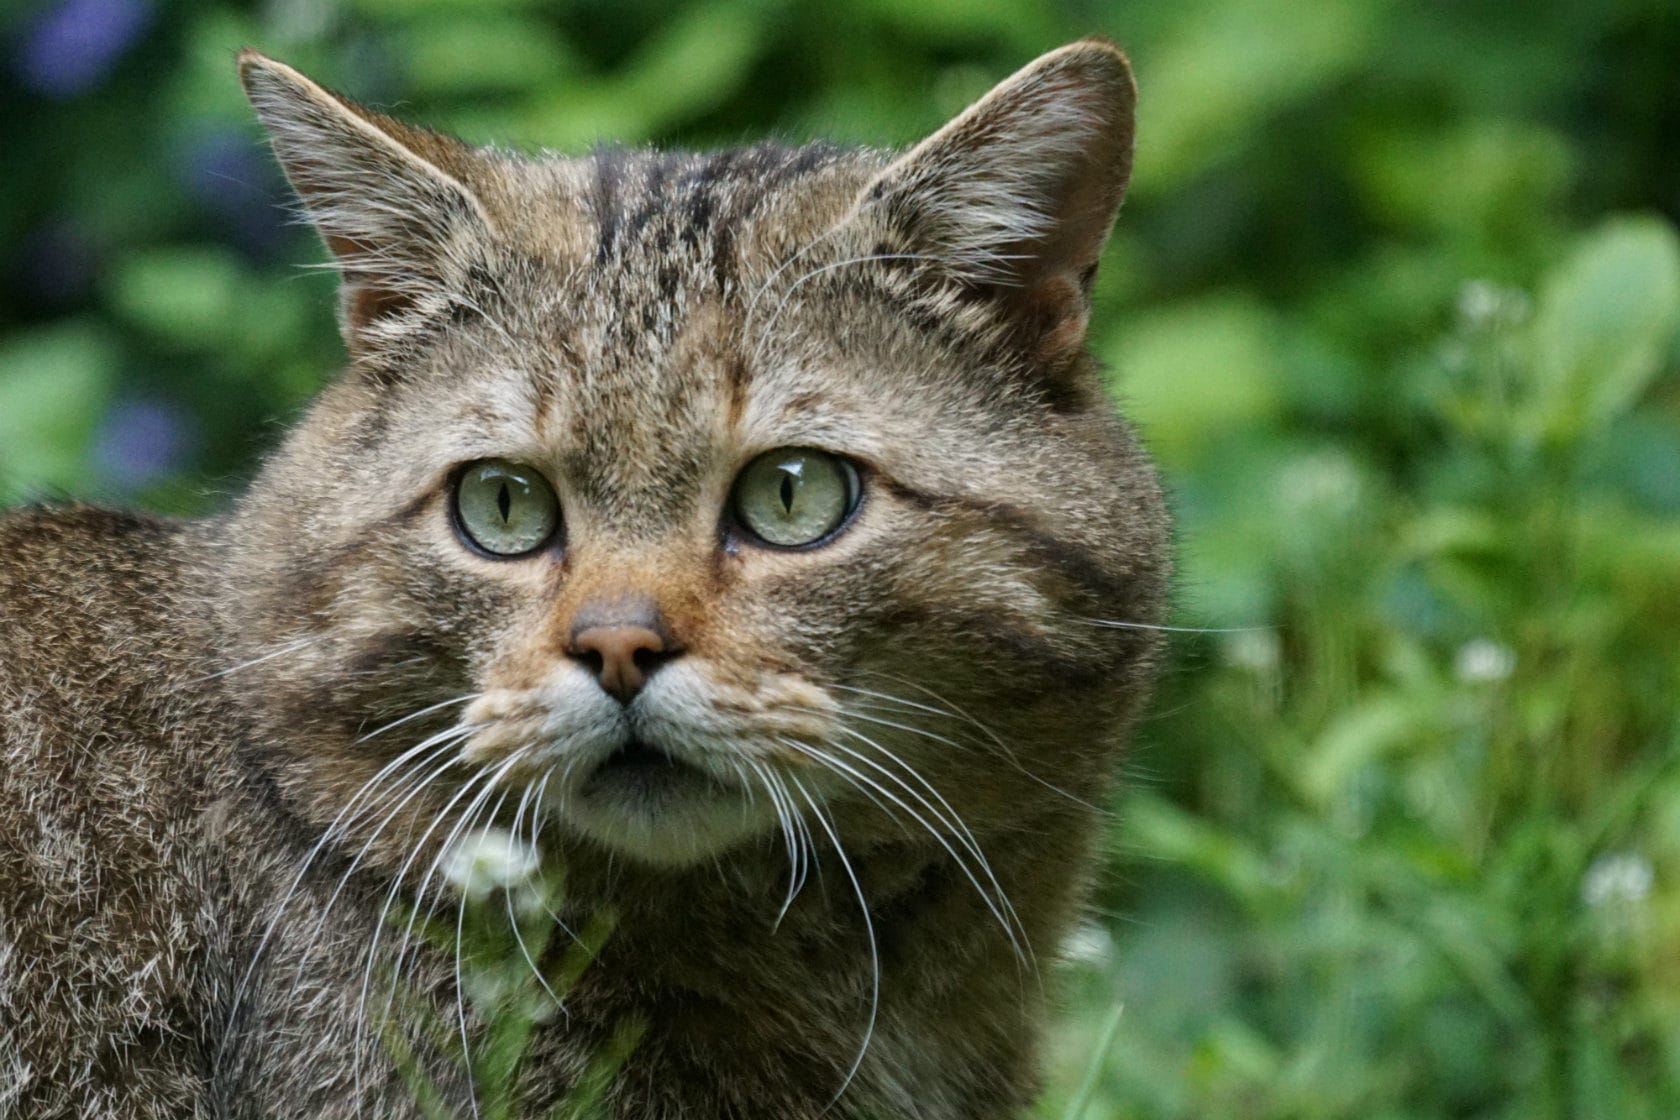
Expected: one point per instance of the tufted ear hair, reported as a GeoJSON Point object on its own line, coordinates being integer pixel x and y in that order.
{"type": "Point", "coordinates": [1016, 196]}
{"type": "Point", "coordinates": [396, 205]}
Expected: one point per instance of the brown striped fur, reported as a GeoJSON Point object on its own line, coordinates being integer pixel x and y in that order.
{"type": "Point", "coordinates": [186, 708]}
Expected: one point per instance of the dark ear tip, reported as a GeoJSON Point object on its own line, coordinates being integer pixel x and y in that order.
{"type": "Point", "coordinates": [254, 67]}
{"type": "Point", "coordinates": [259, 70]}
{"type": "Point", "coordinates": [249, 59]}
{"type": "Point", "coordinates": [1102, 60]}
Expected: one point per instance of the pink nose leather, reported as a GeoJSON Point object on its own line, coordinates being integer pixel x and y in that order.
{"type": "Point", "coordinates": [622, 656]}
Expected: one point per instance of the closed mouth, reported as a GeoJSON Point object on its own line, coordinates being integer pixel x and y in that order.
{"type": "Point", "coordinates": [636, 754]}
{"type": "Point", "coordinates": [643, 766]}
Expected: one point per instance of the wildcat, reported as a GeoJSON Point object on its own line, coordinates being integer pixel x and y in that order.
{"type": "Point", "coordinates": [749, 530]}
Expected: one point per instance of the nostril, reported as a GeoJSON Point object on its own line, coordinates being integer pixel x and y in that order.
{"type": "Point", "coordinates": [647, 659]}
{"type": "Point", "coordinates": [621, 657]}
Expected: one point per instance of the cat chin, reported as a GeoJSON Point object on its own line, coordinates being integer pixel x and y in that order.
{"type": "Point", "coordinates": [672, 837]}
{"type": "Point", "coordinates": [661, 812]}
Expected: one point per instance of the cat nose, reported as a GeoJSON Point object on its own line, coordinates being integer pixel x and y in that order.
{"type": "Point", "coordinates": [622, 644]}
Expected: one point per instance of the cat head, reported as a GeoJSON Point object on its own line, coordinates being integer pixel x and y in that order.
{"type": "Point", "coordinates": [680, 500]}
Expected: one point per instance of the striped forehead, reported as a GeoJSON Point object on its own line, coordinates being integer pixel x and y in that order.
{"type": "Point", "coordinates": [638, 425]}
{"type": "Point", "coordinates": [652, 368]}
{"type": "Point", "coordinates": [658, 215]}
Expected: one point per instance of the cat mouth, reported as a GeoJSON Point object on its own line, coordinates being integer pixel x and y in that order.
{"type": "Point", "coordinates": [640, 765]}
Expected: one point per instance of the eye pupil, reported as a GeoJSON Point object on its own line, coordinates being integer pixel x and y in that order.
{"type": "Point", "coordinates": [504, 509]}
{"type": "Point", "coordinates": [794, 496]}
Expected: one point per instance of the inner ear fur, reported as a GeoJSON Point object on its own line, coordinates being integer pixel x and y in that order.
{"type": "Point", "coordinates": [1016, 196]}
{"type": "Point", "coordinates": [396, 205]}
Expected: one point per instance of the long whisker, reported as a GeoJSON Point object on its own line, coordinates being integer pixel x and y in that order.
{"type": "Point", "coordinates": [332, 831]}
{"type": "Point", "coordinates": [959, 827]}
{"type": "Point", "coordinates": [513, 919]}
{"type": "Point", "coordinates": [484, 778]}
{"type": "Point", "coordinates": [951, 710]}
{"type": "Point", "coordinates": [792, 259]}
{"type": "Point", "coordinates": [1000, 909]}
{"type": "Point", "coordinates": [418, 715]}
{"type": "Point", "coordinates": [818, 271]}
{"type": "Point", "coordinates": [440, 761]}
{"type": "Point", "coordinates": [779, 799]}
{"type": "Point", "coordinates": [1120, 624]}
{"type": "Point", "coordinates": [869, 929]}
{"type": "Point", "coordinates": [290, 647]}
{"type": "Point", "coordinates": [466, 822]}
{"type": "Point", "coordinates": [536, 846]}
{"type": "Point", "coordinates": [460, 997]}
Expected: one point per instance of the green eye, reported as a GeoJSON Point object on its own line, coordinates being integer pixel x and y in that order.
{"type": "Point", "coordinates": [794, 496]}
{"type": "Point", "coordinates": [504, 508]}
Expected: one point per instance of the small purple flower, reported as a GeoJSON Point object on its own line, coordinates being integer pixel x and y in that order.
{"type": "Point", "coordinates": [55, 265]}
{"type": "Point", "coordinates": [141, 441]}
{"type": "Point", "coordinates": [232, 178]}
{"type": "Point", "coordinates": [74, 44]}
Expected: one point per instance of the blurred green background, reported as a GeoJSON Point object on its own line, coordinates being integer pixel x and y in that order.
{"type": "Point", "coordinates": [1395, 300]}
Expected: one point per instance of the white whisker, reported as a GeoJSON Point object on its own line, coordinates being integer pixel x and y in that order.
{"type": "Point", "coordinates": [869, 930]}
{"type": "Point", "coordinates": [333, 831]}
{"type": "Point", "coordinates": [290, 647]}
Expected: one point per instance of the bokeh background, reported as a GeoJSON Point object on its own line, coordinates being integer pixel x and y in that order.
{"type": "Point", "coordinates": [1395, 301]}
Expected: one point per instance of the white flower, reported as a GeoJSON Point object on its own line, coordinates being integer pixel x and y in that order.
{"type": "Point", "coordinates": [1322, 484]}
{"type": "Point", "coordinates": [487, 860]}
{"type": "Point", "coordinates": [1257, 650]}
{"type": "Point", "coordinates": [1089, 945]}
{"type": "Point", "coordinates": [1481, 661]}
{"type": "Point", "coordinates": [1619, 879]}
{"type": "Point", "coordinates": [1479, 301]}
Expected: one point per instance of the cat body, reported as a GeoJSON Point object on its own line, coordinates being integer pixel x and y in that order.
{"type": "Point", "coordinates": [836, 789]}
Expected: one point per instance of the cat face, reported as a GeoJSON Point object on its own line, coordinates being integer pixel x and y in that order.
{"type": "Point", "coordinates": [688, 500]}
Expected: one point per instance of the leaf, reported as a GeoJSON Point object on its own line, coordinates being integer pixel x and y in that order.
{"type": "Point", "coordinates": [1196, 372]}
{"type": "Point", "coordinates": [1080, 1106]}
{"type": "Point", "coordinates": [1379, 724]}
{"type": "Point", "coordinates": [1227, 68]}
{"type": "Point", "coordinates": [55, 385]}
{"type": "Point", "coordinates": [1166, 832]}
{"type": "Point", "coordinates": [476, 52]}
{"type": "Point", "coordinates": [190, 297]}
{"type": "Point", "coordinates": [1606, 322]}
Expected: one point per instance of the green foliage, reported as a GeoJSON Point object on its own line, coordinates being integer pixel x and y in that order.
{"type": "Point", "coordinates": [512, 973]}
{"type": "Point", "coordinates": [1395, 301]}
{"type": "Point", "coordinates": [1423, 858]}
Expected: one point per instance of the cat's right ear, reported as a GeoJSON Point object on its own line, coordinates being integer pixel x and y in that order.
{"type": "Point", "coordinates": [395, 204]}
{"type": "Point", "coordinates": [1014, 198]}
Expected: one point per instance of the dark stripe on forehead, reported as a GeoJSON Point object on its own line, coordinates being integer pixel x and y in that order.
{"type": "Point", "coordinates": [604, 200]}
{"type": "Point", "coordinates": [701, 203]}
{"type": "Point", "coordinates": [654, 191]}
{"type": "Point", "coordinates": [697, 202]}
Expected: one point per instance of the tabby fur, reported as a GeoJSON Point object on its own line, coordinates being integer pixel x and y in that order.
{"type": "Point", "coordinates": [187, 708]}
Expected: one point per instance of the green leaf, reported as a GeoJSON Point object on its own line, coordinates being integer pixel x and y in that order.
{"type": "Point", "coordinates": [480, 52]}
{"type": "Point", "coordinates": [1606, 322]}
{"type": "Point", "coordinates": [1196, 372]}
{"type": "Point", "coordinates": [1227, 68]}
{"type": "Point", "coordinates": [1165, 832]}
{"type": "Point", "coordinates": [55, 385]}
{"type": "Point", "coordinates": [1080, 1106]}
{"type": "Point", "coordinates": [189, 297]}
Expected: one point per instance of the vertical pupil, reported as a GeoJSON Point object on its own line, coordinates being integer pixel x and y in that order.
{"type": "Point", "coordinates": [787, 491]}
{"type": "Point", "coordinates": [504, 500]}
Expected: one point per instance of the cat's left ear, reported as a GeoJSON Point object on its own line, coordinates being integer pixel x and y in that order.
{"type": "Point", "coordinates": [1016, 196]}
{"type": "Point", "coordinates": [398, 206]}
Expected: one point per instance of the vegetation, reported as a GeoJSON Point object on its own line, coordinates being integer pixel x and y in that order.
{"type": "Point", "coordinates": [1395, 299]}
